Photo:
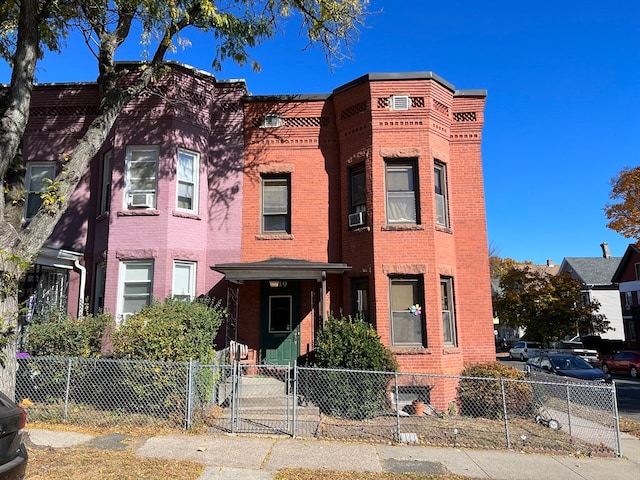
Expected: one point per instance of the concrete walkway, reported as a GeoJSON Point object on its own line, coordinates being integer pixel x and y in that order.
{"type": "Point", "coordinates": [229, 457]}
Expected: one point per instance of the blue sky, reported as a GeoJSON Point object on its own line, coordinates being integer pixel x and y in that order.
{"type": "Point", "coordinates": [563, 107]}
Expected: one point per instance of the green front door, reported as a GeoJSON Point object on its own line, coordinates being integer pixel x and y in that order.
{"type": "Point", "coordinates": [280, 323]}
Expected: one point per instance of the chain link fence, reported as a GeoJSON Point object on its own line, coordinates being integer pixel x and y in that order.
{"type": "Point", "coordinates": [543, 413]}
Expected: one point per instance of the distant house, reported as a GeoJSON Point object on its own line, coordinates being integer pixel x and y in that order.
{"type": "Point", "coordinates": [627, 276]}
{"type": "Point", "coordinates": [367, 200]}
{"type": "Point", "coordinates": [596, 274]}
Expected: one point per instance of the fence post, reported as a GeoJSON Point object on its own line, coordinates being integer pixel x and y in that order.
{"type": "Point", "coordinates": [68, 388]}
{"type": "Point", "coordinates": [504, 409]}
{"type": "Point", "coordinates": [569, 407]}
{"type": "Point", "coordinates": [234, 388]}
{"type": "Point", "coordinates": [295, 399]}
{"type": "Point", "coordinates": [395, 377]}
{"type": "Point", "coordinates": [188, 422]}
{"type": "Point", "coordinates": [616, 417]}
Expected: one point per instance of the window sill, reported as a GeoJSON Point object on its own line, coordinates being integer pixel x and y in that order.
{"type": "Point", "coordinates": [451, 350]}
{"type": "Point", "coordinates": [149, 212]}
{"type": "Point", "coordinates": [442, 228]}
{"type": "Point", "coordinates": [275, 236]}
{"type": "Point", "coordinates": [402, 228]}
{"type": "Point", "coordinates": [192, 216]}
{"type": "Point", "coordinates": [102, 217]}
{"type": "Point", "coordinates": [417, 350]}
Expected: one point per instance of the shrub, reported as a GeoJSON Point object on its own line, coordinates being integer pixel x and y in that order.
{"type": "Point", "coordinates": [54, 334]}
{"type": "Point", "coordinates": [169, 331]}
{"type": "Point", "coordinates": [350, 343]}
{"type": "Point", "coordinates": [173, 330]}
{"type": "Point", "coordinates": [478, 397]}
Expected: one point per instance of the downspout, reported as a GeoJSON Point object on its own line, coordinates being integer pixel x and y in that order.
{"type": "Point", "coordinates": [324, 298]}
{"type": "Point", "coordinates": [83, 282]}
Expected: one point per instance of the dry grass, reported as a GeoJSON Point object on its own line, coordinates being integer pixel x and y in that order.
{"type": "Point", "coordinates": [630, 426]}
{"type": "Point", "coordinates": [91, 464]}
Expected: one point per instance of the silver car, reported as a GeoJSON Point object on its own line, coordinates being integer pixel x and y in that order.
{"type": "Point", "coordinates": [525, 350]}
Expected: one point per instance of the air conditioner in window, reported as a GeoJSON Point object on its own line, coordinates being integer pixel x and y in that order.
{"type": "Point", "coordinates": [272, 120]}
{"type": "Point", "coordinates": [356, 219]}
{"type": "Point", "coordinates": [400, 102]}
{"type": "Point", "coordinates": [141, 200]}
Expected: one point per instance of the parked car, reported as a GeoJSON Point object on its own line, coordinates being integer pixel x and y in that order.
{"type": "Point", "coordinates": [13, 453]}
{"type": "Point", "coordinates": [627, 362]}
{"type": "Point", "coordinates": [525, 350]}
{"type": "Point", "coordinates": [567, 365]}
{"type": "Point", "coordinates": [576, 347]}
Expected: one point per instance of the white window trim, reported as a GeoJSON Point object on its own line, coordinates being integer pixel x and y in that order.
{"type": "Point", "coordinates": [448, 285]}
{"type": "Point", "coordinates": [121, 284]}
{"type": "Point", "coordinates": [195, 181]}
{"type": "Point", "coordinates": [191, 287]}
{"type": "Point", "coordinates": [128, 191]}
{"type": "Point", "coordinates": [442, 197]}
{"type": "Point", "coordinates": [30, 166]}
{"type": "Point", "coordinates": [390, 195]}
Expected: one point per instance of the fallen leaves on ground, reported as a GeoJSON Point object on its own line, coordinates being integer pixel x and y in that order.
{"type": "Point", "coordinates": [91, 464]}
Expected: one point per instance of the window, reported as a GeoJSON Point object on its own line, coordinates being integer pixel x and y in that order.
{"type": "Point", "coordinates": [360, 289]}
{"type": "Point", "coordinates": [440, 182]}
{"type": "Point", "coordinates": [448, 314]}
{"type": "Point", "coordinates": [357, 197]}
{"type": "Point", "coordinates": [98, 296]}
{"type": "Point", "coordinates": [406, 322]}
{"type": "Point", "coordinates": [141, 177]}
{"type": "Point", "coordinates": [136, 286]}
{"type": "Point", "coordinates": [105, 187]}
{"type": "Point", "coordinates": [184, 280]}
{"type": "Point", "coordinates": [358, 190]}
{"type": "Point", "coordinates": [279, 313]}
{"type": "Point", "coordinates": [37, 181]}
{"type": "Point", "coordinates": [628, 300]}
{"type": "Point", "coordinates": [276, 201]}
{"type": "Point", "coordinates": [188, 169]}
{"type": "Point", "coordinates": [401, 192]}
{"type": "Point", "coordinates": [637, 271]}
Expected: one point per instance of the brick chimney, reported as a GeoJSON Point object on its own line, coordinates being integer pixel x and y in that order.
{"type": "Point", "coordinates": [549, 263]}
{"type": "Point", "coordinates": [605, 250]}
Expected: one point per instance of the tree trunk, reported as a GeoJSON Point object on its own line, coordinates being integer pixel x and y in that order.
{"type": "Point", "coordinates": [9, 314]}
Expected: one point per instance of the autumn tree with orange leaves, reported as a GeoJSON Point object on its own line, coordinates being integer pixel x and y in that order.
{"type": "Point", "coordinates": [624, 215]}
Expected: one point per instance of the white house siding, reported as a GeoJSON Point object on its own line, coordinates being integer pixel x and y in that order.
{"type": "Point", "coordinates": [610, 307]}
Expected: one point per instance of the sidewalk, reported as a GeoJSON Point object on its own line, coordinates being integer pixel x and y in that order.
{"type": "Point", "coordinates": [232, 457]}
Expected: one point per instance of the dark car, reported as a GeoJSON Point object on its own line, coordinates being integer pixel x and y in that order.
{"type": "Point", "coordinates": [567, 365]}
{"type": "Point", "coordinates": [627, 362]}
{"type": "Point", "coordinates": [13, 453]}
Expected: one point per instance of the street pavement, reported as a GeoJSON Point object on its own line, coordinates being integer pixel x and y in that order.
{"type": "Point", "coordinates": [228, 457]}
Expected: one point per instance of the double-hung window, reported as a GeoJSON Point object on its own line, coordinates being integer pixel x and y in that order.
{"type": "Point", "coordinates": [188, 169]}
{"type": "Point", "coordinates": [407, 326]}
{"type": "Point", "coordinates": [184, 280]}
{"type": "Point", "coordinates": [448, 313]}
{"type": "Point", "coordinates": [141, 177]}
{"type": "Point", "coordinates": [136, 286]}
{"type": "Point", "coordinates": [37, 181]}
{"type": "Point", "coordinates": [360, 301]}
{"type": "Point", "coordinates": [276, 204]}
{"type": "Point", "coordinates": [105, 187]}
{"type": "Point", "coordinates": [401, 191]}
{"type": "Point", "coordinates": [98, 290]}
{"type": "Point", "coordinates": [440, 183]}
{"type": "Point", "coordinates": [357, 196]}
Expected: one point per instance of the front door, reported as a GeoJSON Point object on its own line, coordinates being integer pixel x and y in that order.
{"type": "Point", "coordinates": [280, 322]}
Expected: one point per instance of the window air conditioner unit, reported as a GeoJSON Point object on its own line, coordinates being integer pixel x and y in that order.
{"type": "Point", "coordinates": [141, 200]}
{"type": "Point", "coordinates": [272, 120]}
{"type": "Point", "coordinates": [356, 219]}
{"type": "Point", "coordinates": [400, 102]}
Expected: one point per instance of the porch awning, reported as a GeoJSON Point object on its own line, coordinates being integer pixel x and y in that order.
{"type": "Point", "coordinates": [279, 269]}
